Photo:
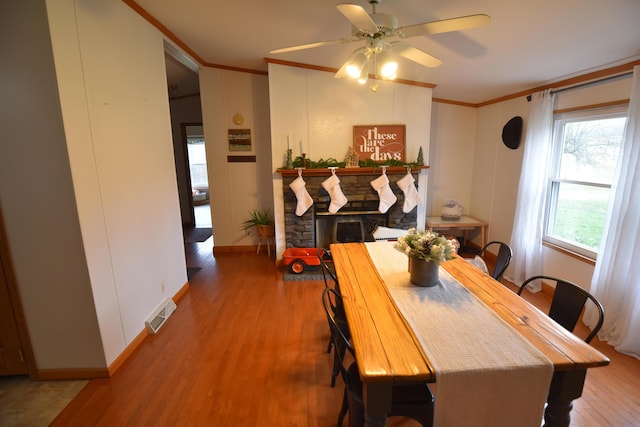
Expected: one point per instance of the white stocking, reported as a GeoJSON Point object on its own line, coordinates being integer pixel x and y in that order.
{"type": "Point", "coordinates": [338, 199]}
{"type": "Point", "coordinates": [387, 198]}
{"type": "Point", "coordinates": [304, 199]}
{"type": "Point", "coordinates": [411, 197]}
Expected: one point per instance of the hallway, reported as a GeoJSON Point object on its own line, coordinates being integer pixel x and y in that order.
{"type": "Point", "coordinates": [203, 215]}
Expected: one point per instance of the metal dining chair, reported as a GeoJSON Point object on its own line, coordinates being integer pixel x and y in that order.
{"type": "Point", "coordinates": [331, 282]}
{"type": "Point", "coordinates": [503, 258]}
{"type": "Point", "coordinates": [414, 401]}
{"type": "Point", "coordinates": [326, 265]}
{"type": "Point", "coordinates": [567, 303]}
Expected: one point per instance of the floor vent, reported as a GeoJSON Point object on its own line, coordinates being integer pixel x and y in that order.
{"type": "Point", "coordinates": [160, 316]}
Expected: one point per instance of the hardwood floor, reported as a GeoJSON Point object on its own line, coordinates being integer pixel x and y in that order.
{"type": "Point", "coordinates": [245, 348]}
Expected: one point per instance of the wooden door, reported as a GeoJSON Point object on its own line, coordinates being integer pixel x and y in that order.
{"type": "Point", "coordinates": [11, 360]}
{"type": "Point", "coordinates": [16, 356]}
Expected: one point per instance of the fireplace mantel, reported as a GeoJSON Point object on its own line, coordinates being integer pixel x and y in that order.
{"type": "Point", "coordinates": [391, 170]}
{"type": "Point", "coordinates": [316, 226]}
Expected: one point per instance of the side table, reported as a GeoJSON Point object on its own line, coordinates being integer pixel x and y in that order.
{"type": "Point", "coordinates": [464, 224]}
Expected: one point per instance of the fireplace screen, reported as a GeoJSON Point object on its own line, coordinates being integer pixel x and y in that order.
{"type": "Point", "coordinates": [347, 228]}
{"type": "Point", "coordinates": [348, 231]}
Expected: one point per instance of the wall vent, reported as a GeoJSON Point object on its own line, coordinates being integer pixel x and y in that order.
{"type": "Point", "coordinates": [160, 316]}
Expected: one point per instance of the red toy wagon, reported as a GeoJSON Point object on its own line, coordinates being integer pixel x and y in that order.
{"type": "Point", "coordinates": [300, 258]}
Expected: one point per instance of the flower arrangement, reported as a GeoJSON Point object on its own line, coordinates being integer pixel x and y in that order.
{"type": "Point", "coordinates": [427, 246]}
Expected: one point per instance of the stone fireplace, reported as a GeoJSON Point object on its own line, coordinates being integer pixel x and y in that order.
{"type": "Point", "coordinates": [355, 221]}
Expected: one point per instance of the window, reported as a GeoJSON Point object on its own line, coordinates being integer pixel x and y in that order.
{"type": "Point", "coordinates": [197, 162]}
{"type": "Point", "coordinates": [585, 152]}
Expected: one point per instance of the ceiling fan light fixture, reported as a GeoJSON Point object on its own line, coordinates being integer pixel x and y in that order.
{"type": "Point", "coordinates": [388, 66]}
{"type": "Point", "coordinates": [364, 76]}
{"type": "Point", "coordinates": [354, 65]}
{"type": "Point", "coordinates": [354, 70]}
{"type": "Point", "coordinates": [374, 29]}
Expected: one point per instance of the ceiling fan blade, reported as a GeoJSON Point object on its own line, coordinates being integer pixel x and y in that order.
{"type": "Point", "coordinates": [444, 26]}
{"type": "Point", "coordinates": [415, 54]}
{"type": "Point", "coordinates": [358, 17]}
{"type": "Point", "coordinates": [312, 45]}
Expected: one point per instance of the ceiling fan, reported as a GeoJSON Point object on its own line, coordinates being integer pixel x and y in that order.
{"type": "Point", "coordinates": [375, 29]}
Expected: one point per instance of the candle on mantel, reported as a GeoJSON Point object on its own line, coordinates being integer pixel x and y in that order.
{"type": "Point", "coordinates": [288, 148]}
{"type": "Point", "coordinates": [301, 150]}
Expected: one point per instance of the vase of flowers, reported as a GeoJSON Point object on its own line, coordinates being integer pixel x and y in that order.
{"type": "Point", "coordinates": [426, 250]}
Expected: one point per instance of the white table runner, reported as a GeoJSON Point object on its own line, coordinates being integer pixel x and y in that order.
{"type": "Point", "coordinates": [486, 373]}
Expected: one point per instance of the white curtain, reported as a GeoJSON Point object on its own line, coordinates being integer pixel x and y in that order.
{"type": "Point", "coordinates": [616, 279]}
{"type": "Point", "coordinates": [526, 236]}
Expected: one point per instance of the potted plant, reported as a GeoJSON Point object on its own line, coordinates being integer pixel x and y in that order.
{"type": "Point", "coordinates": [262, 221]}
{"type": "Point", "coordinates": [426, 250]}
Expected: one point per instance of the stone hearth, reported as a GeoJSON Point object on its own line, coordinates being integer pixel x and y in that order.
{"type": "Point", "coordinates": [316, 227]}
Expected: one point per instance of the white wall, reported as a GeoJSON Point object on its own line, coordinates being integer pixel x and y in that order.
{"type": "Point", "coordinates": [37, 198]}
{"type": "Point", "coordinates": [470, 163]}
{"type": "Point", "coordinates": [451, 156]}
{"type": "Point", "coordinates": [496, 170]}
{"type": "Point", "coordinates": [319, 110]}
{"type": "Point", "coordinates": [113, 94]}
{"type": "Point", "coordinates": [88, 184]}
{"type": "Point", "coordinates": [235, 188]}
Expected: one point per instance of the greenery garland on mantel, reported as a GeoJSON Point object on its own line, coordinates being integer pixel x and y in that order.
{"type": "Point", "coordinates": [364, 166]}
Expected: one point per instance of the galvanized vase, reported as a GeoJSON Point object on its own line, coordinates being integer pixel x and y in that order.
{"type": "Point", "coordinates": [423, 273]}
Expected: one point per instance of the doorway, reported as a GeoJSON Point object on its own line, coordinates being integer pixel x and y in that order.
{"type": "Point", "coordinates": [197, 162]}
{"type": "Point", "coordinates": [189, 145]}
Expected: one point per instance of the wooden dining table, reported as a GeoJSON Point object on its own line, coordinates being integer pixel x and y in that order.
{"type": "Point", "coordinates": [387, 351]}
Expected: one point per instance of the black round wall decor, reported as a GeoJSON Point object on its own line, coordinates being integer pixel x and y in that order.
{"type": "Point", "coordinates": [512, 132]}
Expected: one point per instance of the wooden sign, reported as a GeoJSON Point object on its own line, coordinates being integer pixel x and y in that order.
{"type": "Point", "coordinates": [239, 139]}
{"type": "Point", "coordinates": [379, 142]}
{"type": "Point", "coordinates": [241, 159]}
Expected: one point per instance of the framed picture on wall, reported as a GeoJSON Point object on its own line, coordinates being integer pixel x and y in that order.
{"type": "Point", "coordinates": [379, 142]}
{"type": "Point", "coordinates": [239, 139]}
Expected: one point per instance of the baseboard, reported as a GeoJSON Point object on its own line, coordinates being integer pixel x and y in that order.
{"type": "Point", "coordinates": [547, 289]}
{"type": "Point", "coordinates": [228, 249]}
{"type": "Point", "coordinates": [128, 351]}
{"type": "Point", "coordinates": [181, 293]}
{"type": "Point", "coordinates": [133, 345]}
{"type": "Point", "coordinates": [90, 373]}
